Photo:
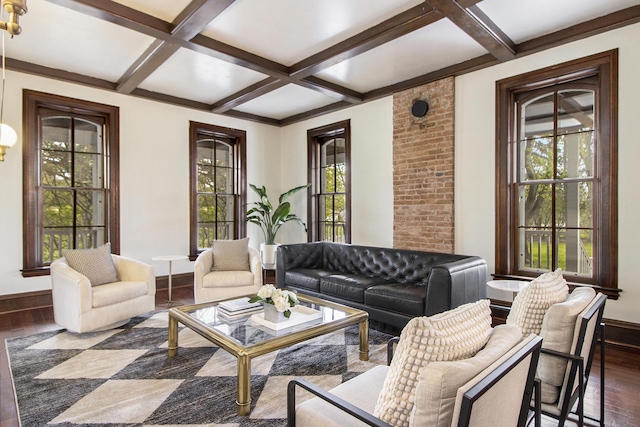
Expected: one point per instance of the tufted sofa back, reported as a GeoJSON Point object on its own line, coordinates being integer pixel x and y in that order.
{"type": "Point", "coordinates": [395, 265]}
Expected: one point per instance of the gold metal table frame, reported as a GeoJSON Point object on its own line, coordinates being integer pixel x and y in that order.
{"type": "Point", "coordinates": [337, 316]}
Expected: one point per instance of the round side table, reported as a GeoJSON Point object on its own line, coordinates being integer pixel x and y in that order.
{"type": "Point", "coordinates": [514, 286]}
{"type": "Point", "coordinates": [170, 259]}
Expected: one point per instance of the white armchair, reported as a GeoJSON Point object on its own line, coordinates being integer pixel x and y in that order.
{"type": "Point", "coordinates": [80, 307]}
{"type": "Point", "coordinates": [211, 285]}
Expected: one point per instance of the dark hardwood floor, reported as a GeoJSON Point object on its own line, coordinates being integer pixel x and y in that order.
{"type": "Point", "coordinates": [622, 375]}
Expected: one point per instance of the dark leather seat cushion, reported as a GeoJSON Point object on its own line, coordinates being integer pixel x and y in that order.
{"type": "Point", "coordinates": [350, 287]}
{"type": "Point", "coordinates": [404, 298]}
{"type": "Point", "coordinates": [306, 278]}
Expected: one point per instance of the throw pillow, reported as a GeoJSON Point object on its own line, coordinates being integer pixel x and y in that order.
{"type": "Point", "coordinates": [453, 335]}
{"type": "Point", "coordinates": [231, 255]}
{"type": "Point", "coordinates": [531, 304]}
{"type": "Point", "coordinates": [439, 382]}
{"type": "Point", "coordinates": [557, 333]}
{"type": "Point", "coordinates": [96, 264]}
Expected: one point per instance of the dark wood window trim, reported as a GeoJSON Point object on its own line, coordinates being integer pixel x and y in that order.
{"type": "Point", "coordinates": [605, 67]}
{"type": "Point", "coordinates": [314, 136]}
{"type": "Point", "coordinates": [239, 138]}
{"type": "Point", "coordinates": [32, 102]}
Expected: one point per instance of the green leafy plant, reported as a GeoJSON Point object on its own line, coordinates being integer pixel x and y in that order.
{"type": "Point", "coordinates": [268, 219]}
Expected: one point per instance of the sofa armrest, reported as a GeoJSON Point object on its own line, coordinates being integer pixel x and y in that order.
{"type": "Point", "coordinates": [255, 264]}
{"type": "Point", "coordinates": [298, 255]}
{"type": "Point", "coordinates": [454, 283]}
{"type": "Point", "coordinates": [131, 270]}
{"type": "Point", "coordinates": [202, 266]}
{"type": "Point", "coordinates": [70, 289]}
{"type": "Point", "coordinates": [339, 403]}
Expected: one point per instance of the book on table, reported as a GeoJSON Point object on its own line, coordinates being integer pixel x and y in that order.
{"type": "Point", "coordinates": [238, 307]}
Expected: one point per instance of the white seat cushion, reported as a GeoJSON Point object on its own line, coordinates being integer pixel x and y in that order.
{"type": "Point", "coordinates": [114, 293]}
{"type": "Point", "coordinates": [453, 335]}
{"type": "Point", "coordinates": [317, 412]}
{"type": "Point", "coordinates": [227, 279]}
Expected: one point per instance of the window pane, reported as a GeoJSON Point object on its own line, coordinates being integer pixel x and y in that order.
{"type": "Point", "coordinates": [536, 159]}
{"type": "Point", "coordinates": [90, 208]}
{"type": "Point", "coordinates": [56, 168]}
{"type": "Point", "coordinates": [535, 205]}
{"type": "Point", "coordinates": [326, 208]}
{"type": "Point", "coordinates": [58, 208]}
{"type": "Point", "coordinates": [575, 111]}
{"type": "Point", "coordinates": [89, 237]}
{"type": "Point", "coordinates": [55, 240]}
{"type": "Point", "coordinates": [339, 208]}
{"type": "Point", "coordinates": [88, 170]}
{"type": "Point", "coordinates": [327, 175]}
{"type": "Point", "coordinates": [340, 157]}
{"type": "Point", "coordinates": [575, 155]}
{"type": "Point", "coordinates": [537, 117]}
{"type": "Point", "coordinates": [575, 252]}
{"type": "Point", "coordinates": [535, 249]}
{"type": "Point", "coordinates": [225, 209]}
{"type": "Point", "coordinates": [326, 153]}
{"type": "Point", "coordinates": [341, 178]}
{"type": "Point", "coordinates": [224, 154]}
{"type": "Point", "coordinates": [224, 230]}
{"type": "Point", "coordinates": [323, 231]}
{"type": "Point", "coordinates": [205, 152]}
{"type": "Point", "coordinates": [339, 232]}
{"type": "Point", "coordinates": [56, 133]}
{"type": "Point", "coordinates": [206, 208]}
{"type": "Point", "coordinates": [88, 136]}
{"type": "Point", "coordinates": [574, 205]}
{"type": "Point", "coordinates": [206, 180]}
{"type": "Point", "coordinates": [224, 180]}
{"type": "Point", "coordinates": [206, 235]}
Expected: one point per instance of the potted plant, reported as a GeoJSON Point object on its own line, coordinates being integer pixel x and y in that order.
{"type": "Point", "coordinates": [270, 220]}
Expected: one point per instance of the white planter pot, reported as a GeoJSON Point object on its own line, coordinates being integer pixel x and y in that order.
{"type": "Point", "coordinates": [268, 255]}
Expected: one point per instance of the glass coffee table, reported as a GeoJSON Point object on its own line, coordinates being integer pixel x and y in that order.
{"type": "Point", "coordinates": [246, 339]}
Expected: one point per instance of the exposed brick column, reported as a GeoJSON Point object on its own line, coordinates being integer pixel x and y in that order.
{"type": "Point", "coordinates": [423, 169]}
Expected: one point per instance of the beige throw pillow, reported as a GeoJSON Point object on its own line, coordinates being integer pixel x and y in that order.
{"type": "Point", "coordinates": [96, 264]}
{"type": "Point", "coordinates": [557, 333]}
{"type": "Point", "coordinates": [231, 255]}
{"type": "Point", "coordinates": [531, 304]}
{"type": "Point", "coordinates": [453, 335]}
{"type": "Point", "coordinates": [439, 382]}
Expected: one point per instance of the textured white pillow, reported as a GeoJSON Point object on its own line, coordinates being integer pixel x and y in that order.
{"type": "Point", "coordinates": [557, 334]}
{"type": "Point", "coordinates": [96, 264]}
{"type": "Point", "coordinates": [531, 304]}
{"type": "Point", "coordinates": [231, 255]}
{"type": "Point", "coordinates": [453, 335]}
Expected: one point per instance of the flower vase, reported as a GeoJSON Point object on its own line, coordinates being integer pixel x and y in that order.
{"type": "Point", "coordinates": [271, 314]}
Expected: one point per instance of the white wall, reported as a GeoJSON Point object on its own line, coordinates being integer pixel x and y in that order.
{"type": "Point", "coordinates": [371, 171]}
{"type": "Point", "coordinates": [154, 176]}
{"type": "Point", "coordinates": [475, 155]}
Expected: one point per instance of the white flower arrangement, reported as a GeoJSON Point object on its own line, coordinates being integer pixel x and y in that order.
{"type": "Point", "coordinates": [283, 300]}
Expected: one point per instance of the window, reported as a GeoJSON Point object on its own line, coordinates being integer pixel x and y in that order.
{"type": "Point", "coordinates": [70, 178]}
{"type": "Point", "coordinates": [329, 204]}
{"type": "Point", "coordinates": [557, 172]}
{"type": "Point", "coordinates": [218, 185]}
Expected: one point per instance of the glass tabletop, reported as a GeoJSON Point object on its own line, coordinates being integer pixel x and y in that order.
{"type": "Point", "coordinates": [250, 329]}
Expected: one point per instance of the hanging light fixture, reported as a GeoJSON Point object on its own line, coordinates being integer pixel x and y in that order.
{"type": "Point", "coordinates": [15, 8]}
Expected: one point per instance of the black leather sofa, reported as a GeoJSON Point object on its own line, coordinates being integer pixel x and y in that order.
{"type": "Point", "coordinates": [392, 285]}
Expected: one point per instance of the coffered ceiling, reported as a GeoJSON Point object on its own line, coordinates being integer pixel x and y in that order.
{"type": "Point", "coordinates": [281, 61]}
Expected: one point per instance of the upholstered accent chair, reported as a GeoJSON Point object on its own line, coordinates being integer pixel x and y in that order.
{"type": "Point", "coordinates": [229, 269]}
{"type": "Point", "coordinates": [450, 393]}
{"type": "Point", "coordinates": [81, 304]}
{"type": "Point", "coordinates": [570, 331]}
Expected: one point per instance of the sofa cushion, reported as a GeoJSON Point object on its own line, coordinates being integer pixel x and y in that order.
{"type": "Point", "coordinates": [399, 297]}
{"type": "Point", "coordinates": [350, 287]}
{"type": "Point", "coordinates": [531, 304]}
{"type": "Point", "coordinates": [439, 382]}
{"type": "Point", "coordinates": [116, 292]}
{"type": "Point", "coordinates": [453, 335]}
{"type": "Point", "coordinates": [557, 333]}
{"type": "Point", "coordinates": [227, 279]}
{"type": "Point", "coordinates": [306, 278]}
{"type": "Point", "coordinates": [96, 264]}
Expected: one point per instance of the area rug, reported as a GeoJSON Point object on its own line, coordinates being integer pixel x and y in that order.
{"type": "Point", "coordinates": [124, 377]}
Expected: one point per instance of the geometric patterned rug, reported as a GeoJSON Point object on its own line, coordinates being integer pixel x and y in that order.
{"type": "Point", "coordinates": [124, 377]}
